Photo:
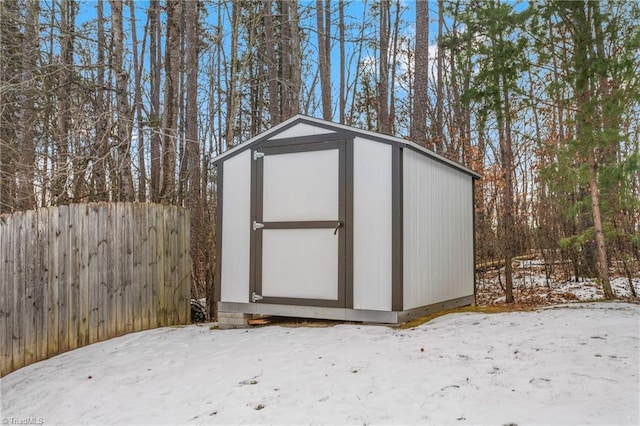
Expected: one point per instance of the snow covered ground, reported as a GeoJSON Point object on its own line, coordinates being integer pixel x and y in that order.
{"type": "Point", "coordinates": [575, 364]}
{"type": "Point", "coordinates": [531, 288]}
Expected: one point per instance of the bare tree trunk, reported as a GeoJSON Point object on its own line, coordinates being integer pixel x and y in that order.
{"type": "Point", "coordinates": [506, 154]}
{"type": "Point", "coordinates": [341, 29]}
{"type": "Point", "coordinates": [438, 133]}
{"type": "Point", "coordinates": [272, 62]}
{"type": "Point", "coordinates": [172, 100]}
{"type": "Point", "coordinates": [63, 131]}
{"type": "Point", "coordinates": [181, 157]}
{"type": "Point", "coordinates": [296, 59]}
{"type": "Point", "coordinates": [456, 136]}
{"type": "Point", "coordinates": [9, 69]}
{"type": "Point", "coordinates": [503, 119]}
{"type": "Point", "coordinates": [466, 109]}
{"type": "Point", "coordinates": [450, 144]}
{"type": "Point", "coordinates": [101, 149]}
{"type": "Point", "coordinates": [383, 84]}
{"type": "Point", "coordinates": [327, 33]}
{"type": "Point", "coordinates": [154, 119]}
{"type": "Point", "coordinates": [610, 126]}
{"type": "Point", "coordinates": [232, 89]}
{"type": "Point", "coordinates": [482, 231]}
{"type": "Point", "coordinates": [48, 121]}
{"type": "Point", "coordinates": [219, 66]}
{"type": "Point", "coordinates": [420, 96]}
{"type": "Point", "coordinates": [394, 57]}
{"type": "Point", "coordinates": [601, 247]}
{"type": "Point", "coordinates": [358, 73]}
{"type": "Point", "coordinates": [125, 191]}
{"type": "Point", "coordinates": [26, 175]}
{"type": "Point", "coordinates": [285, 60]}
{"type": "Point", "coordinates": [193, 147]}
{"type": "Point", "coordinates": [323, 56]}
{"type": "Point", "coordinates": [137, 103]}
{"type": "Point", "coordinates": [256, 99]}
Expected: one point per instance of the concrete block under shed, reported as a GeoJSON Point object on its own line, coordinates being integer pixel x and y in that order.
{"type": "Point", "coordinates": [228, 320]}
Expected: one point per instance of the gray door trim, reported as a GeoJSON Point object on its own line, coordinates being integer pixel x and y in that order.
{"type": "Point", "coordinates": [348, 228]}
{"type": "Point", "coordinates": [345, 217]}
{"type": "Point", "coordinates": [277, 148]}
{"type": "Point", "coordinates": [310, 224]}
{"type": "Point", "coordinates": [397, 229]}
{"type": "Point", "coordinates": [311, 139]}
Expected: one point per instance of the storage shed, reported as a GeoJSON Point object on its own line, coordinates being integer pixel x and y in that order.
{"type": "Point", "coordinates": [321, 220]}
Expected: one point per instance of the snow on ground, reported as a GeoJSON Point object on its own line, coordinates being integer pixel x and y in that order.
{"type": "Point", "coordinates": [532, 288]}
{"type": "Point", "coordinates": [575, 364]}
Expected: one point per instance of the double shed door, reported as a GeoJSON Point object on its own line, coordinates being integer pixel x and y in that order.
{"type": "Point", "coordinates": [299, 236]}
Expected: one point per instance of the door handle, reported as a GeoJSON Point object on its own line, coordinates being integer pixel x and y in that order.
{"type": "Point", "coordinates": [338, 226]}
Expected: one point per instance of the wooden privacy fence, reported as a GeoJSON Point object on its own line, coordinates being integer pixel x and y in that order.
{"type": "Point", "coordinates": [78, 274]}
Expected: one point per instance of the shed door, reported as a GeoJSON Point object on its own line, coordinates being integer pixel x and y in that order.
{"type": "Point", "coordinates": [298, 227]}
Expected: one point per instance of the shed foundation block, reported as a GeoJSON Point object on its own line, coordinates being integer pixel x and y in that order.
{"type": "Point", "coordinates": [228, 320]}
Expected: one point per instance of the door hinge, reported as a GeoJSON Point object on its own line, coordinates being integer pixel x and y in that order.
{"type": "Point", "coordinates": [257, 225]}
{"type": "Point", "coordinates": [257, 154]}
{"type": "Point", "coordinates": [255, 297]}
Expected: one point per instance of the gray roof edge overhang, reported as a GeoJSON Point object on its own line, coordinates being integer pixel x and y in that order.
{"type": "Point", "coordinates": [343, 129]}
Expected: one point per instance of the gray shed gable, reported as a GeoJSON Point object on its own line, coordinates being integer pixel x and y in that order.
{"type": "Point", "coordinates": [344, 131]}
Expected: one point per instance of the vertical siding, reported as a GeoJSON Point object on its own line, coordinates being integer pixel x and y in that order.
{"type": "Point", "coordinates": [438, 232]}
{"type": "Point", "coordinates": [301, 129]}
{"type": "Point", "coordinates": [372, 195]}
{"type": "Point", "coordinates": [236, 228]}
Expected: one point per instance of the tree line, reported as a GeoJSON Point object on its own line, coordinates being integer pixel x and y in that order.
{"type": "Point", "coordinates": [120, 100]}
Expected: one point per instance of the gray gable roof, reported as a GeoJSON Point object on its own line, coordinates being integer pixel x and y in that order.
{"type": "Point", "coordinates": [335, 127]}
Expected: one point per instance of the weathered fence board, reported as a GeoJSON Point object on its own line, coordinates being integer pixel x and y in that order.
{"type": "Point", "coordinates": [83, 282]}
{"type": "Point", "coordinates": [91, 275]}
{"type": "Point", "coordinates": [112, 272]}
{"type": "Point", "coordinates": [79, 274]}
{"type": "Point", "coordinates": [102, 262]}
{"type": "Point", "coordinates": [53, 319]}
{"type": "Point", "coordinates": [73, 290]}
{"type": "Point", "coordinates": [161, 306]}
{"type": "Point", "coordinates": [6, 298]}
{"type": "Point", "coordinates": [42, 259]}
{"type": "Point", "coordinates": [30, 302]}
{"type": "Point", "coordinates": [64, 282]}
{"type": "Point", "coordinates": [18, 294]}
{"type": "Point", "coordinates": [139, 221]}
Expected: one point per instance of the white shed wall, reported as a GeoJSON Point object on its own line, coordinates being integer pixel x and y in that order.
{"type": "Point", "coordinates": [438, 232]}
{"type": "Point", "coordinates": [301, 129]}
{"type": "Point", "coordinates": [372, 229]}
{"type": "Point", "coordinates": [236, 222]}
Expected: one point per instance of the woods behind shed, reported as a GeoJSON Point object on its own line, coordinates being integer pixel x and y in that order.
{"type": "Point", "coordinates": [321, 220]}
